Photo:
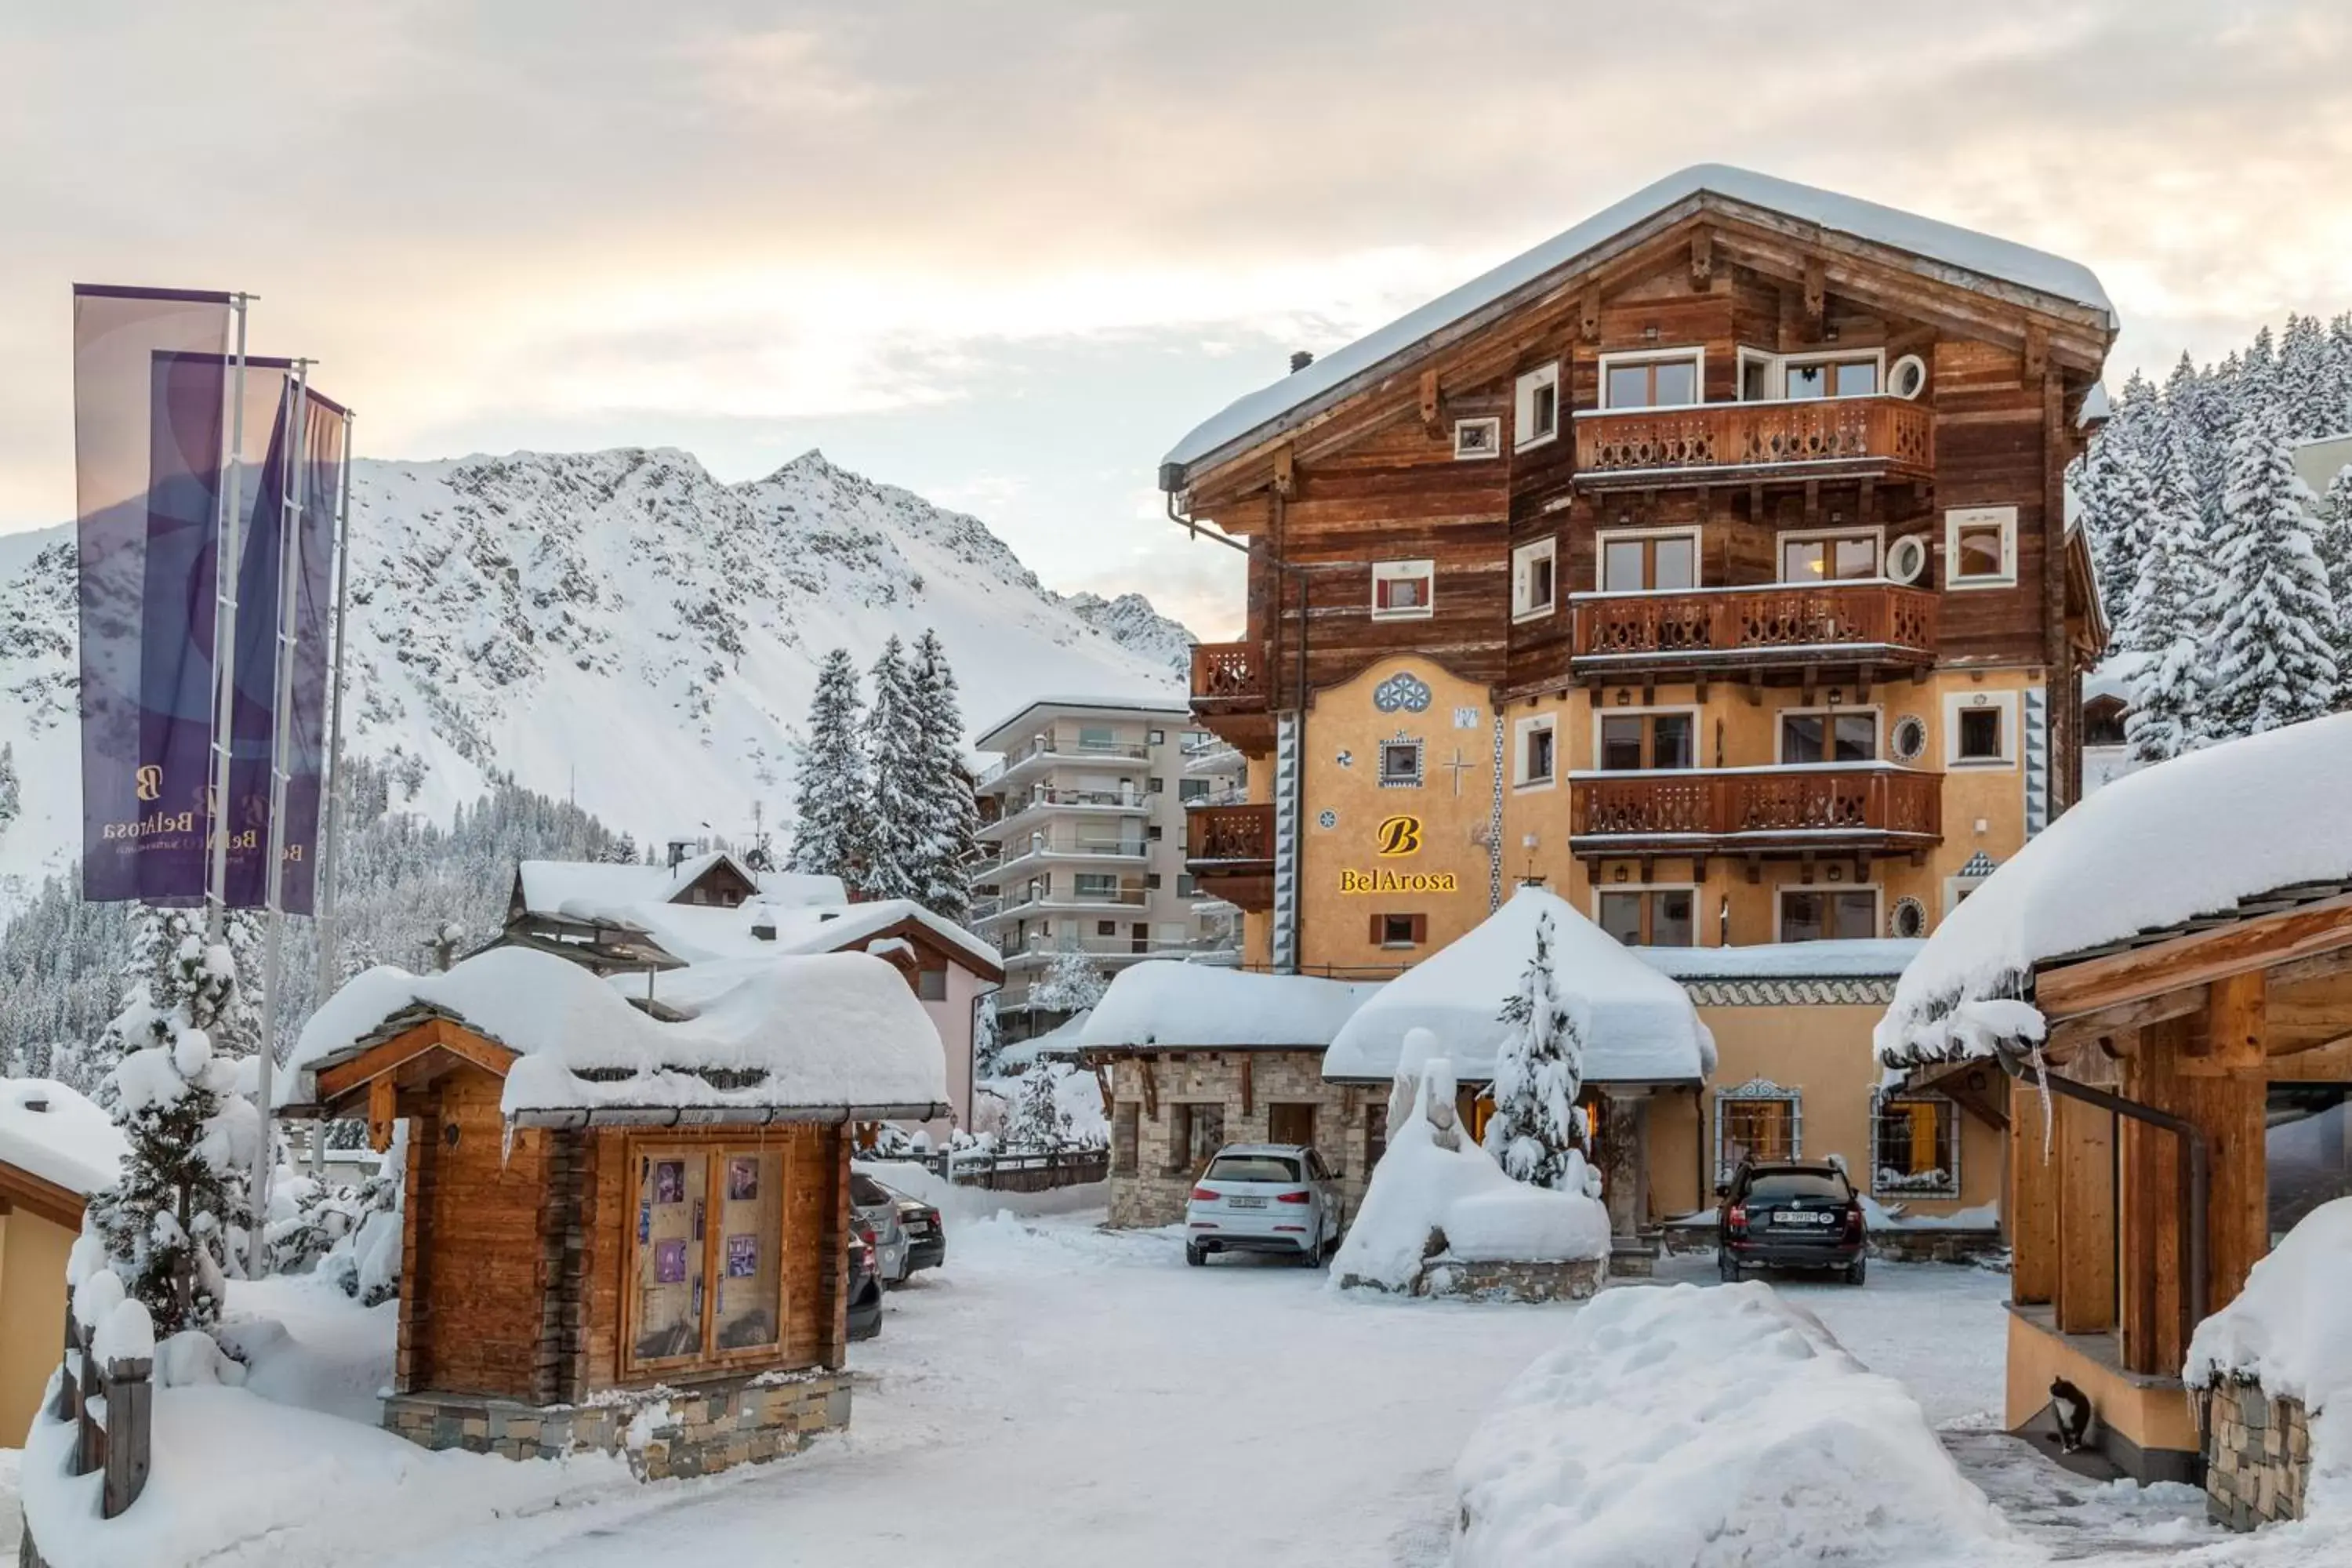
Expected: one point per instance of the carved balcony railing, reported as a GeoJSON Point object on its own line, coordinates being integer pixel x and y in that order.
{"type": "Point", "coordinates": [1881, 436]}
{"type": "Point", "coordinates": [1833, 810]}
{"type": "Point", "coordinates": [1228, 677]}
{"type": "Point", "coordinates": [1231, 853]}
{"type": "Point", "coordinates": [1788, 625]}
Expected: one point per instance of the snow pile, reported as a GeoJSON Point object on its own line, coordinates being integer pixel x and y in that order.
{"type": "Point", "coordinates": [831, 1030]}
{"type": "Point", "coordinates": [1690, 1427]}
{"type": "Point", "coordinates": [51, 1130]}
{"type": "Point", "coordinates": [2165, 844]}
{"type": "Point", "coordinates": [1165, 1003]}
{"type": "Point", "coordinates": [1436, 1196]}
{"type": "Point", "coordinates": [2286, 1330]}
{"type": "Point", "coordinates": [1640, 1026]}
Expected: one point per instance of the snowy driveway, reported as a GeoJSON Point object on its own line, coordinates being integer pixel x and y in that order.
{"type": "Point", "coordinates": [1066, 1396]}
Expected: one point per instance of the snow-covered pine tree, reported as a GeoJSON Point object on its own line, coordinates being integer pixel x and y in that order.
{"type": "Point", "coordinates": [951, 829]}
{"type": "Point", "coordinates": [2334, 543]}
{"type": "Point", "coordinates": [169, 1222]}
{"type": "Point", "coordinates": [2112, 486]}
{"type": "Point", "coordinates": [987, 1037]}
{"type": "Point", "coordinates": [2339, 370]}
{"type": "Point", "coordinates": [2171, 610]}
{"type": "Point", "coordinates": [1038, 1124]}
{"type": "Point", "coordinates": [897, 817]}
{"type": "Point", "coordinates": [829, 803]}
{"type": "Point", "coordinates": [1072, 984]}
{"type": "Point", "coordinates": [2273, 650]}
{"type": "Point", "coordinates": [622, 851]}
{"type": "Point", "coordinates": [12, 790]}
{"type": "Point", "coordinates": [1539, 1073]}
{"type": "Point", "coordinates": [2306, 383]}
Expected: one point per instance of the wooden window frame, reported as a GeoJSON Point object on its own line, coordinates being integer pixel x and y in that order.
{"type": "Point", "coordinates": [1645, 891]}
{"type": "Point", "coordinates": [1960, 519]}
{"type": "Point", "coordinates": [1478, 440]}
{"type": "Point", "coordinates": [1947, 1142]}
{"type": "Point", "coordinates": [1877, 892]}
{"type": "Point", "coordinates": [1651, 358]}
{"type": "Point", "coordinates": [1417, 928]}
{"type": "Point", "coordinates": [1523, 407]}
{"type": "Point", "coordinates": [634, 1150]}
{"type": "Point", "coordinates": [1649, 738]}
{"type": "Point", "coordinates": [1876, 534]}
{"type": "Point", "coordinates": [2010, 705]}
{"type": "Point", "coordinates": [1520, 732]}
{"type": "Point", "coordinates": [1780, 735]}
{"type": "Point", "coordinates": [1604, 537]}
{"type": "Point", "coordinates": [1755, 1090]}
{"type": "Point", "coordinates": [1877, 357]}
{"type": "Point", "coordinates": [1524, 606]}
{"type": "Point", "coordinates": [1405, 571]}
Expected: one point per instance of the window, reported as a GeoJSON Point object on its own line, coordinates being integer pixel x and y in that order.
{"type": "Point", "coordinates": [1097, 738]}
{"type": "Point", "coordinates": [2103, 722]}
{"type": "Point", "coordinates": [1155, 785]}
{"type": "Point", "coordinates": [1480, 438]}
{"type": "Point", "coordinates": [1155, 737]}
{"type": "Point", "coordinates": [1639, 563]}
{"type": "Point", "coordinates": [1099, 885]}
{"type": "Point", "coordinates": [1980, 729]}
{"type": "Point", "coordinates": [1538, 754]}
{"type": "Point", "coordinates": [1759, 1120]}
{"type": "Point", "coordinates": [1290, 1123]}
{"type": "Point", "coordinates": [1535, 578]}
{"type": "Point", "coordinates": [1914, 1147]}
{"type": "Point", "coordinates": [1126, 1129]}
{"type": "Point", "coordinates": [1828, 557]}
{"type": "Point", "coordinates": [1106, 928]}
{"type": "Point", "coordinates": [1253, 1167]}
{"type": "Point", "coordinates": [1650, 916]}
{"type": "Point", "coordinates": [1909, 742]}
{"type": "Point", "coordinates": [1195, 1133]}
{"type": "Point", "coordinates": [1192, 789]}
{"type": "Point", "coordinates": [1402, 589]}
{"type": "Point", "coordinates": [1767, 377]}
{"type": "Point", "coordinates": [932, 984]}
{"type": "Point", "coordinates": [1979, 737]}
{"type": "Point", "coordinates": [1399, 930]}
{"type": "Point", "coordinates": [1400, 765]}
{"type": "Point", "coordinates": [1630, 741]}
{"type": "Point", "coordinates": [1151, 881]}
{"type": "Point", "coordinates": [2306, 1150]}
{"type": "Point", "coordinates": [1151, 834]}
{"type": "Point", "coordinates": [1185, 886]}
{"type": "Point", "coordinates": [1831, 737]}
{"type": "Point", "coordinates": [1536, 407]}
{"type": "Point", "coordinates": [1980, 547]}
{"type": "Point", "coordinates": [1827, 914]}
{"type": "Point", "coordinates": [707, 1218]}
{"type": "Point", "coordinates": [1668, 380]}
{"type": "Point", "coordinates": [1376, 1133]}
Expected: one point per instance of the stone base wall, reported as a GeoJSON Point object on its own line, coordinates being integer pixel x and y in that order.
{"type": "Point", "coordinates": [1491, 1282]}
{"type": "Point", "coordinates": [693, 1430]}
{"type": "Point", "coordinates": [1903, 1246]}
{"type": "Point", "coordinates": [1152, 1191]}
{"type": "Point", "coordinates": [2257, 1456]}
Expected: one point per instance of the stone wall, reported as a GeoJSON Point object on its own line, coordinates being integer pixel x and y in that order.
{"type": "Point", "coordinates": [2257, 1456]}
{"type": "Point", "coordinates": [1153, 1191]}
{"type": "Point", "coordinates": [693, 1430]}
{"type": "Point", "coordinates": [1496, 1281]}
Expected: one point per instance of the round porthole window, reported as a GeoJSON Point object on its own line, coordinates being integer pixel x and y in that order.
{"type": "Point", "coordinates": [1909, 376]}
{"type": "Point", "coordinates": [1909, 740]}
{"type": "Point", "coordinates": [1908, 920]}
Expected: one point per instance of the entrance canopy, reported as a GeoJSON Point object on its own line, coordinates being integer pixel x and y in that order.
{"type": "Point", "coordinates": [1639, 1025]}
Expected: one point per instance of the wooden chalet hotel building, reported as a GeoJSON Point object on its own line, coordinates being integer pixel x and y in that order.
{"type": "Point", "coordinates": [1707, 563]}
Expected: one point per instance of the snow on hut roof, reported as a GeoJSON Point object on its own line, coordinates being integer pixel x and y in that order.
{"type": "Point", "coordinates": [1858, 958]}
{"type": "Point", "coordinates": [1995, 260]}
{"type": "Point", "coordinates": [1643, 1027]}
{"type": "Point", "coordinates": [51, 1130]}
{"type": "Point", "coordinates": [2186, 838]}
{"type": "Point", "coordinates": [577, 888]}
{"type": "Point", "coordinates": [707, 933]}
{"type": "Point", "coordinates": [818, 1032]}
{"type": "Point", "coordinates": [1162, 1001]}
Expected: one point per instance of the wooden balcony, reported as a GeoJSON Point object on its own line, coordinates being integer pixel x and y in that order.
{"type": "Point", "coordinates": [1231, 688]}
{"type": "Point", "coordinates": [1231, 852]}
{"type": "Point", "coordinates": [1830, 811]}
{"type": "Point", "coordinates": [1879, 627]}
{"type": "Point", "coordinates": [1742, 443]}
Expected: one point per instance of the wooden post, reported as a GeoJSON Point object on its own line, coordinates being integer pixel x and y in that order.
{"type": "Point", "coordinates": [383, 1108]}
{"type": "Point", "coordinates": [2231, 1109]}
{"type": "Point", "coordinates": [2152, 1212]}
{"type": "Point", "coordinates": [2033, 1204]}
{"type": "Point", "coordinates": [2086, 1299]}
{"type": "Point", "coordinates": [1249, 1098]}
{"type": "Point", "coordinates": [130, 1413]}
{"type": "Point", "coordinates": [89, 1437]}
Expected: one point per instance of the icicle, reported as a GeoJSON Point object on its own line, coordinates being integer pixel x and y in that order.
{"type": "Point", "coordinates": [506, 1143]}
{"type": "Point", "coordinates": [2041, 1082]}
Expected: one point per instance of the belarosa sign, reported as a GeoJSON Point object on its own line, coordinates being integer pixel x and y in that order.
{"type": "Point", "coordinates": [1384, 880]}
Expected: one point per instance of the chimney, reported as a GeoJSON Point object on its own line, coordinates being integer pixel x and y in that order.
{"type": "Point", "coordinates": [1299, 360]}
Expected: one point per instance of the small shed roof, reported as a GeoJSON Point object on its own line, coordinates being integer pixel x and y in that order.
{"type": "Point", "coordinates": [53, 1134]}
{"type": "Point", "coordinates": [582, 890]}
{"type": "Point", "coordinates": [1165, 1003]}
{"type": "Point", "coordinates": [1643, 1028]}
{"type": "Point", "coordinates": [818, 1035]}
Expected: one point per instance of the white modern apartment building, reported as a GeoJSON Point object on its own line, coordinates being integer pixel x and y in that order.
{"type": "Point", "coordinates": [1083, 843]}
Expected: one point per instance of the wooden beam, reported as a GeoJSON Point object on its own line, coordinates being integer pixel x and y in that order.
{"type": "Point", "coordinates": [2086, 1298]}
{"type": "Point", "coordinates": [1249, 1096]}
{"type": "Point", "coordinates": [2196, 959]}
{"type": "Point", "coordinates": [2236, 1019]}
{"type": "Point", "coordinates": [384, 1104]}
{"type": "Point", "coordinates": [1285, 476]}
{"type": "Point", "coordinates": [1817, 285]}
{"type": "Point", "coordinates": [2031, 1203]}
{"type": "Point", "coordinates": [1429, 401]}
{"type": "Point", "coordinates": [1589, 315]}
{"type": "Point", "coordinates": [433, 1034]}
{"type": "Point", "coordinates": [1702, 260]}
{"type": "Point", "coordinates": [2037, 356]}
{"type": "Point", "coordinates": [2122, 1021]}
{"type": "Point", "coordinates": [1150, 1088]}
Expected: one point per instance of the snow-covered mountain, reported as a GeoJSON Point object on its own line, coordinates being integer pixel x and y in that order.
{"type": "Point", "coordinates": [617, 627]}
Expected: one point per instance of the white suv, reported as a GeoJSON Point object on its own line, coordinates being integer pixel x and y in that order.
{"type": "Point", "coordinates": [1264, 1197]}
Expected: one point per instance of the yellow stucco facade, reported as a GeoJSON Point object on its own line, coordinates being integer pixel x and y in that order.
{"type": "Point", "coordinates": [31, 1314]}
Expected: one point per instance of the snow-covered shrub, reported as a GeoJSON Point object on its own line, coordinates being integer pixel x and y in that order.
{"type": "Point", "coordinates": [1056, 1107]}
{"type": "Point", "coordinates": [1073, 982]}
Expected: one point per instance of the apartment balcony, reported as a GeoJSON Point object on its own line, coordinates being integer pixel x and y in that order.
{"type": "Point", "coordinates": [1041, 753]}
{"type": "Point", "coordinates": [1212, 757]}
{"type": "Point", "coordinates": [1042, 805]}
{"type": "Point", "coordinates": [1232, 853]}
{"type": "Point", "coordinates": [1744, 443]}
{"type": "Point", "coordinates": [1108, 953]}
{"type": "Point", "coordinates": [1774, 628]}
{"type": "Point", "coordinates": [1231, 688]}
{"type": "Point", "coordinates": [1020, 903]}
{"type": "Point", "coordinates": [1828, 809]}
{"type": "Point", "coordinates": [1020, 857]}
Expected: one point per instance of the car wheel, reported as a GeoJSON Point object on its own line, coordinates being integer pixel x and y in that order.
{"type": "Point", "coordinates": [1856, 1270]}
{"type": "Point", "coordinates": [1725, 1266]}
{"type": "Point", "coordinates": [1194, 1255]}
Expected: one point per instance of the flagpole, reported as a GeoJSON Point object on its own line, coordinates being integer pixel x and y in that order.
{"type": "Point", "coordinates": [228, 559]}
{"type": "Point", "coordinates": [322, 924]}
{"type": "Point", "coordinates": [290, 577]}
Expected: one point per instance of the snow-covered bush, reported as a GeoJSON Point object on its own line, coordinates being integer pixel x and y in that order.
{"type": "Point", "coordinates": [1056, 1107]}
{"type": "Point", "coordinates": [1073, 982]}
{"type": "Point", "coordinates": [1689, 1427]}
{"type": "Point", "coordinates": [350, 1233]}
{"type": "Point", "coordinates": [1538, 1128]}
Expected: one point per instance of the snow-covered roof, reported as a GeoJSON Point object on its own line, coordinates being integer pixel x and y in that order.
{"type": "Point", "coordinates": [1995, 260]}
{"type": "Point", "coordinates": [826, 1032]}
{"type": "Point", "coordinates": [66, 1141]}
{"type": "Point", "coordinates": [1643, 1027]}
{"type": "Point", "coordinates": [2188, 838]}
{"type": "Point", "coordinates": [1152, 704]}
{"type": "Point", "coordinates": [2113, 676]}
{"type": "Point", "coordinates": [1859, 958]}
{"type": "Point", "coordinates": [581, 887]}
{"type": "Point", "coordinates": [2095, 406]}
{"type": "Point", "coordinates": [1165, 1003]}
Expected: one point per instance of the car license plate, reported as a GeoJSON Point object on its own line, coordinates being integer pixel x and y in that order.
{"type": "Point", "coordinates": [1799, 1218]}
{"type": "Point", "coordinates": [1246, 1202]}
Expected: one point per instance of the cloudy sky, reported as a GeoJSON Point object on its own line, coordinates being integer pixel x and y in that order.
{"type": "Point", "coordinates": [1004, 252]}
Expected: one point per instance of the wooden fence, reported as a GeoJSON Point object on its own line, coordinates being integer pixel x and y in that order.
{"type": "Point", "coordinates": [113, 1410]}
{"type": "Point", "coordinates": [1021, 1173]}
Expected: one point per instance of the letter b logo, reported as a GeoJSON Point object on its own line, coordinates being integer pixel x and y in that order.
{"type": "Point", "coordinates": [1400, 836]}
{"type": "Point", "coordinates": [148, 781]}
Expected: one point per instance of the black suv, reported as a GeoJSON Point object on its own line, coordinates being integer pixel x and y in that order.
{"type": "Point", "coordinates": [1789, 1215]}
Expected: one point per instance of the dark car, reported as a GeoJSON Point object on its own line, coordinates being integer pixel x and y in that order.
{"type": "Point", "coordinates": [927, 1234]}
{"type": "Point", "coordinates": [865, 1287]}
{"type": "Point", "coordinates": [1789, 1215]}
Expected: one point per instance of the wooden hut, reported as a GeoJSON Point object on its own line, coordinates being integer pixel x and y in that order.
{"type": "Point", "coordinates": [2166, 976]}
{"type": "Point", "coordinates": [622, 1232]}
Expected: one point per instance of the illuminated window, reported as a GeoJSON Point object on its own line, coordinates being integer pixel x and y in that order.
{"type": "Point", "coordinates": [1759, 1121]}
{"type": "Point", "coordinates": [1914, 1147]}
